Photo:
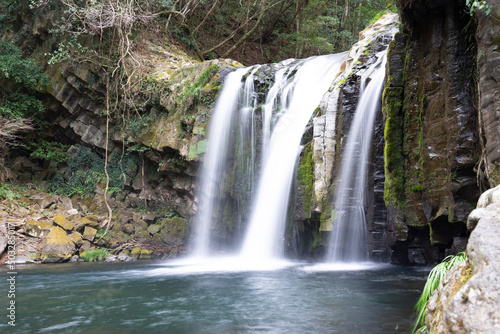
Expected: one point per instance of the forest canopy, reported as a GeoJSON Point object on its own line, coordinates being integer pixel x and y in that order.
{"type": "Point", "coordinates": [250, 31]}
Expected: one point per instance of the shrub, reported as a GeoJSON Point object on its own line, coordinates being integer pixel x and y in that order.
{"type": "Point", "coordinates": [95, 254]}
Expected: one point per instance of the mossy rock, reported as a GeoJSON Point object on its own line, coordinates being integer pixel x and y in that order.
{"type": "Point", "coordinates": [153, 229]}
{"type": "Point", "coordinates": [63, 222]}
{"type": "Point", "coordinates": [89, 233]}
{"type": "Point", "coordinates": [135, 251]}
{"type": "Point", "coordinates": [128, 228]}
{"type": "Point", "coordinates": [142, 236]}
{"type": "Point", "coordinates": [140, 226]}
{"type": "Point", "coordinates": [76, 238]}
{"type": "Point", "coordinates": [38, 229]}
{"type": "Point", "coordinates": [146, 254]}
{"type": "Point", "coordinates": [173, 232]}
{"type": "Point", "coordinates": [57, 246]}
{"type": "Point", "coordinates": [86, 221]}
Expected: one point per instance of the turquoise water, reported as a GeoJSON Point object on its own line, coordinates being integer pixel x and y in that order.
{"type": "Point", "coordinates": [152, 297]}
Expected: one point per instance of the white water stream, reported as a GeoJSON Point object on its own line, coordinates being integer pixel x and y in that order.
{"type": "Point", "coordinates": [348, 241]}
{"type": "Point", "coordinates": [290, 102]}
{"type": "Point", "coordinates": [213, 166]}
{"type": "Point", "coordinates": [299, 98]}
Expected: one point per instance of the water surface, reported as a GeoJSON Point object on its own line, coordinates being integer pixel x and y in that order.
{"type": "Point", "coordinates": [152, 297]}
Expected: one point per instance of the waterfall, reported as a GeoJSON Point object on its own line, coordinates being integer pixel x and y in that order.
{"type": "Point", "coordinates": [348, 241]}
{"type": "Point", "coordinates": [299, 99]}
{"type": "Point", "coordinates": [215, 156]}
{"type": "Point", "coordinates": [266, 149]}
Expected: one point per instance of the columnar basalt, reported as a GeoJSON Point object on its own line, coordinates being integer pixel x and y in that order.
{"type": "Point", "coordinates": [431, 132]}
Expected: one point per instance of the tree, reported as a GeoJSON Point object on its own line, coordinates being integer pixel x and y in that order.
{"type": "Point", "coordinates": [19, 78]}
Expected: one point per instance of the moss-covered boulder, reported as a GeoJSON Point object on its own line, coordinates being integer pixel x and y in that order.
{"type": "Point", "coordinates": [89, 233]}
{"type": "Point", "coordinates": [153, 229]}
{"type": "Point", "coordinates": [63, 222]}
{"type": "Point", "coordinates": [37, 229]}
{"type": "Point", "coordinates": [76, 238]}
{"type": "Point", "coordinates": [57, 246]}
{"type": "Point", "coordinates": [173, 232]}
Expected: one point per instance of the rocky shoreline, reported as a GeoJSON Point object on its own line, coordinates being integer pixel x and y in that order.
{"type": "Point", "coordinates": [37, 227]}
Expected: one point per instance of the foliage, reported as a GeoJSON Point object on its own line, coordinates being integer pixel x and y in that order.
{"type": "Point", "coordinates": [11, 191]}
{"type": "Point", "coordinates": [196, 88]}
{"type": "Point", "coordinates": [95, 254]}
{"type": "Point", "coordinates": [20, 78]}
{"type": "Point", "coordinates": [86, 171]}
{"type": "Point", "coordinates": [48, 150]}
{"type": "Point", "coordinates": [65, 51]}
{"type": "Point", "coordinates": [435, 277]}
{"type": "Point", "coordinates": [474, 5]}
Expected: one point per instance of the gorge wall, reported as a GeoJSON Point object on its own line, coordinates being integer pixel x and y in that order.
{"type": "Point", "coordinates": [435, 147]}
{"type": "Point", "coordinates": [432, 133]}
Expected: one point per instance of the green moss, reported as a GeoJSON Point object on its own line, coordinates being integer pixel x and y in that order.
{"type": "Point", "coordinates": [394, 157]}
{"type": "Point", "coordinates": [135, 251]}
{"type": "Point", "coordinates": [318, 239]}
{"type": "Point", "coordinates": [197, 149]}
{"type": "Point", "coordinates": [197, 87]}
{"type": "Point", "coordinates": [326, 225]}
{"type": "Point", "coordinates": [306, 177]}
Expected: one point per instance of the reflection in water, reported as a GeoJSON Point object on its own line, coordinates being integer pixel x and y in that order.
{"type": "Point", "coordinates": [188, 298]}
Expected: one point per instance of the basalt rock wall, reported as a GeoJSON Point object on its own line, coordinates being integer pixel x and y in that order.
{"type": "Point", "coordinates": [432, 131]}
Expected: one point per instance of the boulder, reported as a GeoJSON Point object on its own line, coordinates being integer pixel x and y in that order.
{"type": "Point", "coordinates": [173, 232]}
{"type": "Point", "coordinates": [91, 221]}
{"type": "Point", "coordinates": [76, 238]}
{"type": "Point", "coordinates": [85, 246]}
{"type": "Point", "coordinates": [57, 246]}
{"type": "Point", "coordinates": [153, 229]}
{"type": "Point", "coordinates": [37, 229]}
{"type": "Point", "coordinates": [66, 203]}
{"type": "Point", "coordinates": [72, 212]}
{"type": "Point", "coordinates": [89, 233]}
{"type": "Point", "coordinates": [125, 257]}
{"type": "Point", "coordinates": [48, 201]}
{"type": "Point", "coordinates": [63, 222]}
{"type": "Point", "coordinates": [128, 228]}
{"type": "Point", "coordinates": [32, 253]}
{"type": "Point", "coordinates": [111, 258]}
{"type": "Point", "coordinates": [467, 299]}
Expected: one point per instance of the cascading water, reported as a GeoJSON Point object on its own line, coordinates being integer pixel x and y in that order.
{"type": "Point", "coordinates": [213, 166]}
{"type": "Point", "coordinates": [299, 98]}
{"type": "Point", "coordinates": [297, 90]}
{"type": "Point", "coordinates": [348, 241]}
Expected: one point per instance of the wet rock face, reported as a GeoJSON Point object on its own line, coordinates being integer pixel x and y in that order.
{"type": "Point", "coordinates": [488, 62]}
{"type": "Point", "coordinates": [430, 177]}
{"type": "Point", "coordinates": [330, 127]}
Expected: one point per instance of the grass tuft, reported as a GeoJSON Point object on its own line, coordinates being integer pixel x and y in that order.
{"type": "Point", "coordinates": [95, 254]}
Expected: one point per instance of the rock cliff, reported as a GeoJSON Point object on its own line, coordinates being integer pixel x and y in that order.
{"type": "Point", "coordinates": [432, 135]}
